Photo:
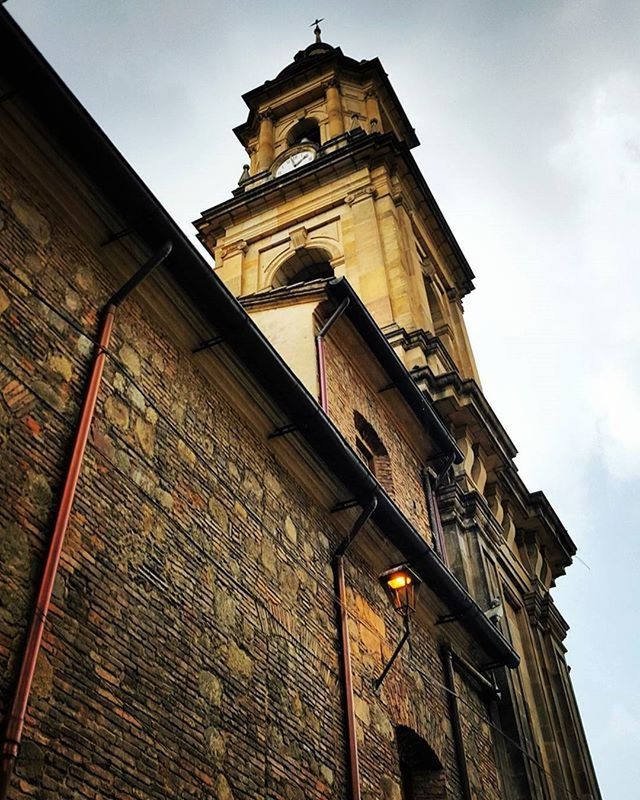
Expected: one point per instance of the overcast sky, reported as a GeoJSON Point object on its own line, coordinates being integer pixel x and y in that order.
{"type": "Point", "coordinates": [529, 118]}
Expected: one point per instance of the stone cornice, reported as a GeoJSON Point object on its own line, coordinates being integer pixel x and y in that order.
{"type": "Point", "coordinates": [427, 342]}
{"type": "Point", "coordinates": [338, 157]}
{"type": "Point", "coordinates": [534, 512]}
{"type": "Point", "coordinates": [544, 614]}
{"type": "Point", "coordinates": [437, 386]}
{"type": "Point", "coordinates": [302, 292]}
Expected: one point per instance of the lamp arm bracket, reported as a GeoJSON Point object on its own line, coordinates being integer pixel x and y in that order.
{"type": "Point", "coordinates": [405, 637]}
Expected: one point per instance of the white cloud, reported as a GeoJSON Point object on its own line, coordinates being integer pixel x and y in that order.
{"type": "Point", "coordinates": [600, 156]}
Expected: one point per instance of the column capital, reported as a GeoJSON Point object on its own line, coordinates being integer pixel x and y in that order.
{"type": "Point", "coordinates": [266, 114]}
{"type": "Point", "coordinates": [331, 83]}
{"type": "Point", "coordinates": [360, 194]}
{"type": "Point", "coordinates": [231, 248]}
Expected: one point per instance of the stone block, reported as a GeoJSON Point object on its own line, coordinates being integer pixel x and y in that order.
{"type": "Point", "coordinates": [61, 366]}
{"type": "Point", "coordinates": [117, 412]}
{"type": "Point", "coordinates": [210, 687]}
{"type": "Point", "coordinates": [130, 359]}
{"type": "Point", "coordinates": [31, 220]}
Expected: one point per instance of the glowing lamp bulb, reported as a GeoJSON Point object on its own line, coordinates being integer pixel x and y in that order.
{"type": "Point", "coordinates": [399, 581]}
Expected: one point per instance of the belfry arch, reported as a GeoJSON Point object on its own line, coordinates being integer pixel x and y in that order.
{"type": "Point", "coordinates": [306, 129]}
{"type": "Point", "coordinates": [301, 265]}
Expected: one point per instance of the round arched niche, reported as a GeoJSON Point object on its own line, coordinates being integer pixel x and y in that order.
{"type": "Point", "coordinates": [302, 265]}
{"type": "Point", "coordinates": [422, 773]}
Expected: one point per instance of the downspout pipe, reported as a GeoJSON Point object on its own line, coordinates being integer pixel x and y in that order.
{"type": "Point", "coordinates": [322, 367]}
{"type": "Point", "coordinates": [434, 513]}
{"type": "Point", "coordinates": [345, 646]}
{"type": "Point", "coordinates": [456, 724]}
{"type": "Point", "coordinates": [430, 489]}
{"type": "Point", "coordinates": [15, 718]}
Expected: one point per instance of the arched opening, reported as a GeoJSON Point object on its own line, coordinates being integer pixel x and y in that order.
{"type": "Point", "coordinates": [435, 307]}
{"type": "Point", "coordinates": [421, 772]}
{"type": "Point", "coordinates": [306, 264]}
{"type": "Point", "coordinates": [305, 130]}
{"type": "Point", "coordinates": [372, 451]}
{"type": "Point", "coordinates": [441, 322]}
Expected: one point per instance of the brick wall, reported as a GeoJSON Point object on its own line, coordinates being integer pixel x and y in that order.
{"type": "Point", "coordinates": [478, 738]}
{"type": "Point", "coordinates": [191, 645]}
{"type": "Point", "coordinates": [351, 389]}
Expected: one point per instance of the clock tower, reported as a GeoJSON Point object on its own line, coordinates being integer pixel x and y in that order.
{"type": "Point", "coordinates": [332, 190]}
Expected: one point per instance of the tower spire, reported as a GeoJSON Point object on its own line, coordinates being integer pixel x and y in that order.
{"type": "Point", "coordinates": [317, 30]}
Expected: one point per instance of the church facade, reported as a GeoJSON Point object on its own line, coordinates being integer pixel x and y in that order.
{"type": "Point", "coordinates": [262, 534]}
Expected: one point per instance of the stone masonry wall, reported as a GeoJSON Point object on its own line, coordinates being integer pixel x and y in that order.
{"type": "Point", "coordinates": [190, 650]}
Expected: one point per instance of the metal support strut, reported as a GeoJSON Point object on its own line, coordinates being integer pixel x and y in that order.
{"type": "Point", "coordinates": [405, 638]}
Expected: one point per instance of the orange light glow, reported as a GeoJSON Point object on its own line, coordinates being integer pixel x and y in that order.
{"type": "Point", "coordinates": [399, 581]}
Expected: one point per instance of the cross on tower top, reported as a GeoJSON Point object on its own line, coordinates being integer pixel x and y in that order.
{"type": "Point", "coordinates": [317, 30]}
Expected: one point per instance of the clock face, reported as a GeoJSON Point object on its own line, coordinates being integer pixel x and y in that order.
{"type": "Point", "coordinates": [301, 157]}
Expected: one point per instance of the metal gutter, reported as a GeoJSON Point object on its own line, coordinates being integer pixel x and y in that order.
{"type": "Point", "coordinates": [35, 81]}
{"type": "Point", "coordinates": [456, 724]}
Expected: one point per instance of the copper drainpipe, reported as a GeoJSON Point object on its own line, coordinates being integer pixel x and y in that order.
{"type": "Point", "coordinates": [430, 485]}
{"type": "Point", "coordinates": [456, 723]}
{"type": "Point", "coordinates": [345, 647]}
{"type": "Point", "coordinates": [338, 577]}
{"type": "Point", "coordinates": [15, 718]}
{"type": "Point", "coordinates": [322, 371]}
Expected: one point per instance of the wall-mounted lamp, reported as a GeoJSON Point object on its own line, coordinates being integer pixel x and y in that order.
{"type": "Point", "coordinates": [401, 585]}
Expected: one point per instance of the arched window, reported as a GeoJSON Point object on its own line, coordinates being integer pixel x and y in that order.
{"type": "Point", "coordinates": [305, 130]}
{"type": "Point", "coordinates": [306, 264]}
{"type": "Point", "coordinates": [372, 451]}
{"type": "Point", "coordinates": [421, 772]}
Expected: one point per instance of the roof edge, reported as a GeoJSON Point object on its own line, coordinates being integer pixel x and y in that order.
{"type": "Point", "coordinates": [104, 165]}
